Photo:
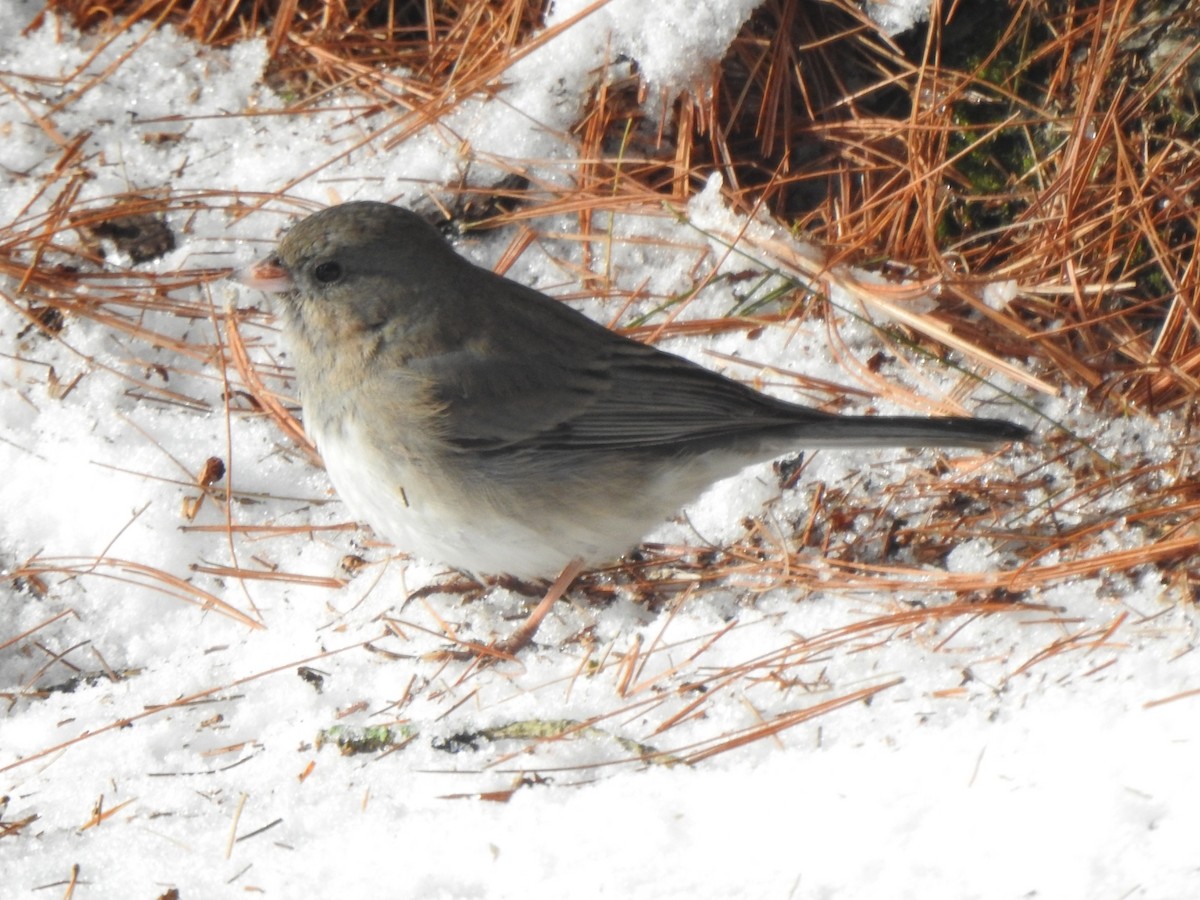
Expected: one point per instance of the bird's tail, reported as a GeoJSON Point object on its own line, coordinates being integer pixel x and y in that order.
{"type": "Point", "coordinates": [908, 431]}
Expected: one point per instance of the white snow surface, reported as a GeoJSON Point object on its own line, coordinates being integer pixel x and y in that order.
{"type": "Point", "coordinates": [981, 766]}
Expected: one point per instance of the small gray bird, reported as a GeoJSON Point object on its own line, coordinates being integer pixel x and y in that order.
{"type": "Point", "coordinates": [476, 422]}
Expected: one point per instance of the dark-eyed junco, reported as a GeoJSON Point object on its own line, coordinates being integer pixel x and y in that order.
{"type": "Point", "coordinates": [476, 422]}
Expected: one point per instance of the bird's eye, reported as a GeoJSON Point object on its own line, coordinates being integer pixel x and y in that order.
{"type": "Point", "coordinates": [328, 272]}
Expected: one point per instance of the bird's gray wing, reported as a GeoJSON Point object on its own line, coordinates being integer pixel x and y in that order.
{"type": "Point", "coordinates": [534, 375]}
{"type": "Point", "coordinates": [594, 392]}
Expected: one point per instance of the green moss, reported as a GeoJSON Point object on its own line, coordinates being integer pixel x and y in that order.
{"type": "Point", "coordinates": [351, 740]}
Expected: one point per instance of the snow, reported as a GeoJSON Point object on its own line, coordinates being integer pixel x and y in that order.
{"type": "Point", "coordinates": [959, 758]}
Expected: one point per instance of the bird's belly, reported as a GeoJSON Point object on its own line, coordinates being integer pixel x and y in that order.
{"type": "Point", "coordinates": [478, 525]}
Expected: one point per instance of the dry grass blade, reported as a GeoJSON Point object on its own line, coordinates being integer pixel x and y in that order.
{"type": "Point", "coordinates": [136, 574]}
{"type": "Point", "coordinates": [778, 724]}
{"type": "Point", "coordinates": [264, 397]}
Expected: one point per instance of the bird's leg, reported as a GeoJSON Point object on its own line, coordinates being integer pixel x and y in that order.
{"type": "Point", "coordinates": [525, 632]}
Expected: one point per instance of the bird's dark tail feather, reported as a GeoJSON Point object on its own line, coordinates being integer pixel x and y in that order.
{"type": "Point", "coordinates": [910, 431]}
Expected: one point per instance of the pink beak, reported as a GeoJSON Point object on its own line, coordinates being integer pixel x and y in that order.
{"type": "Point", "coordinates": [267, 275]}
